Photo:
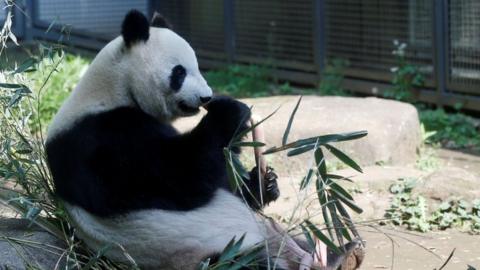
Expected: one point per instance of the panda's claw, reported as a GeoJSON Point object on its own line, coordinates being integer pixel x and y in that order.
{"type": "Point", "coordinates": [272, 192]}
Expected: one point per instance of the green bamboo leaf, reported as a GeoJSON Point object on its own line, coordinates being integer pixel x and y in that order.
{"type": "Point", "coordinates": [11, 85]}
{"type": "Point", "coordinates": [248, 144]}
{"type": "Point", "coordinates": [322, 198]}
{"type": "Point", "coordinates": [348, 220]}
{"type": "Point", "coordinates": [347, 201]}
{"type": "Point", "coordinates": [307, 235]}
{"type": "Point", "coordinates": [231, 250]}
{"type": "Point", "coordinates": [97, 257]}
{"type": "Point", "coordinates": [26, 65]}
{"type": "Point", "coordinates": [341, 190]}
{"type": "Point", "coordinates": [343, 157]}
{"type": "Point", "coordinates": [300, 150]}
{"type": "Point", "coordinates": [290, 121]}
{"type": "Point", "coordinates": [238, 166]}
{"type": "Point", "coordinates": [339, 177]}
{"type": "Point", "coordinates": [322, 237]}
{"type": "Point", "coordinates": [337, 224]}
{"type": "Point", "coordinates": [246, 260]}
{"type": "Point", "coordinates": [320, 161]}
{"type": "Point", "coordinates": [230, 170]}
{"type": "Point", "coordinates": [320, 140]}
{"type": "Point", "coordinates": [242, 134]}
{"type": "Point", "coordinates": [306, 179]}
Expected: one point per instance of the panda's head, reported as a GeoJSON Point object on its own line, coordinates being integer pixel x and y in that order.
{"type": "Point", "coordinates": [161, 68]}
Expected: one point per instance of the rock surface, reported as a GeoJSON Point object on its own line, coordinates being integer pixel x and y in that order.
{"type": "Point", "coordinates": [394, 130]}
{"type": "Point", "coordinates": [21, 243]}
{"type": "Point", "coordinates": [450, 182]}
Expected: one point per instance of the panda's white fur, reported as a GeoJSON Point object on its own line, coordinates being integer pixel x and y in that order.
{"type": "Point", "coordinates": [160, 239]}
{"type": "Point", "coordinates": [112, 74]}
{"type": "Point", "coordinates": [154, 238]}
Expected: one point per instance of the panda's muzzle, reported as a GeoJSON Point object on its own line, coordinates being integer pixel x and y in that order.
{"type": "Point", "coordinates": [182, 105]}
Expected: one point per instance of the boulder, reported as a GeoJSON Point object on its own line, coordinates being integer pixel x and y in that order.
{"type": "Point", "coordinates": [393, 127]}
{"type": "Point", "coordinates": [450, 182]}
{"type": "Point", "coordinates": [22, 243]}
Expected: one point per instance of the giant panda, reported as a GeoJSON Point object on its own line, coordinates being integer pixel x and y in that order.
{"type": "Point", "coordinates": [128, 179]}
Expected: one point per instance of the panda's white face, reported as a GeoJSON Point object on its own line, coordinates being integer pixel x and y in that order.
{"type": "Point", "coordinates": [164, 77]}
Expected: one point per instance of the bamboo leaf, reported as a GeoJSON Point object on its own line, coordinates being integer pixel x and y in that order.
{"type": "Point", "coordinates": [340, 189]}
{"type": "Point", "coordinates": [245, 260]}
{"type": "Point", "coordinates": [322, 198]}
{"type": "Point", "coordinates": [11, 85]}
{"type": "Point", "coordinates": [339, 177]}
{"type": "Point", "coordinates": [290, 121]}
{"type": "Point", "coordinates": [322, 237]}
{"type": "Point", "coordinates": [26, 65]}
{"type": "Point", "coordinates": [320, 140]}
{"type": "Point", "coordinates": [320, 161]}
{"type": "Point", "coordinates": [97, 257]}
{"type": "Point", "coordinates": [242, 134]}
{"type": "Point", "coordinates": [343, 157]}
{"type": "Point", "coordinates": [306, 179]}
{"type": "Point", "coordinates": [231, 250]}
{"type": "Point", "coordinates": [230, 170]}
{"type": "Point", "coordinates": [347, 201]}
{"type": "Point", "coordinates": [348, 220]}
{"type": "Point", "coordinates": [248, 144]}
{"type": "Point", "coordinates": [238, 166]}
{"type": "Point", "coordinates": [300, 150]}
{"type": "Point", "coordinates": [337, 225]}
{"type": "Point", "coordinates": [309, 238]}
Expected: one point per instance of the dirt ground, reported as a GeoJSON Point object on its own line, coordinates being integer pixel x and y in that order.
{"type": "Point", "coordinates": [412, 251]}
{"type": "Point", "coordinates": [409, 250]}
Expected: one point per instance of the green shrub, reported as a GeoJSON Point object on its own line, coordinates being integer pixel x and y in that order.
{"type": "Point", "coordinates": [455, 130]}
{"type": "Point", "coordinates": [240, 80]}
{"type": "Point", "coordinates": [332, 79]}
{"type": "Point", "coordinates": [406, 76]}
{"type": "Point", "coordinates": [411, 211]}
{"type": "Point", "coordinates": [58, 84]}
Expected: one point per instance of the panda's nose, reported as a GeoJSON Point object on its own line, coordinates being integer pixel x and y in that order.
{"type": "Point", "coordinates": [205, 99]}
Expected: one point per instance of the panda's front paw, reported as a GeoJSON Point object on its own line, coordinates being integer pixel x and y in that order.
{"type": "Point", "coordinates": [228, 115]}
{"type": "Point", "coordinates": [272, 192]}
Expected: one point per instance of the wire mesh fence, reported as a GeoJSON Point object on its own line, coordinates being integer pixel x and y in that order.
{"type": "Point", "coordinates": [297, 38]}
{"type": "Point", "coordinates": [464, 46]}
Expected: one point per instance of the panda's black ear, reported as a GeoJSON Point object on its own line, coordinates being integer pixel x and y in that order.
{"type": "Point", "coordinates": [159, 21]}
{"type": "Point", "coordinates": [135, 27]}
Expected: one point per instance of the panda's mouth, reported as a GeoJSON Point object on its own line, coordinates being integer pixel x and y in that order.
{"type": "Point", "coordinates": [186, 109]}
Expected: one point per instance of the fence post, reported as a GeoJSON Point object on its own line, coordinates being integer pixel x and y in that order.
{"type": "Point", "coordinates": [319, 42]}
{"type": "Point", "coordinates": [29, 17]}
{"type": "Point", "coordinates": [440, 45]}
{"type": "Point", "coordinates": [229, 29]}
{"type": "Point", "coordinates": [153, 5]}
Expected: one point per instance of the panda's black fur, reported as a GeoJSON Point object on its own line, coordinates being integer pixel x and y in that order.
{"type": "Point", "coordinates": [105, 151]}
{"type": "Point", "coordinates": [135, 28]}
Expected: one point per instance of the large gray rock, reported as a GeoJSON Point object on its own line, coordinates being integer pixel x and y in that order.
{"type": "Point", "coordinates": [450, 182]}
{"type": "Point", "coordinates": [22, 245]}
{"type": "Point", "coordinates": [394, 130]}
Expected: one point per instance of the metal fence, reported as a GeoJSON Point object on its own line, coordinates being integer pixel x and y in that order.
{"type": "Point", "coordinates": [298, 37]}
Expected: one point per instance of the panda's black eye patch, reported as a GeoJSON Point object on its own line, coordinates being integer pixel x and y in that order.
{"type": "Point", "coordinates": [177, 77]}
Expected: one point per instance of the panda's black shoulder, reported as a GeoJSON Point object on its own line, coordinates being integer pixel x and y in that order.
{"type": "Point", "coordinates": [106, 146]}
